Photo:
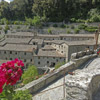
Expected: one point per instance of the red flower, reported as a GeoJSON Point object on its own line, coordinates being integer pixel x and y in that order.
{"type": "Point", "coordinates": [10, 72]}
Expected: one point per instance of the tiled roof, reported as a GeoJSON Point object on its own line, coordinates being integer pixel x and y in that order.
{"type": "Point", "coordinates": [21, 34]}
{"type": "Point", "coordinates": [85, 42]}
{"type": "Point", "coordinates": [67, 35]}
{"type": "Point", "coordinates": [49, 54]}
{"type": "Point", "coordinates": [48, 47]}
{"type": "Point", "coordinates": [39, 41]}
{"type": "Point", "coordinates": [18, 47]}
{"type": "Point", "coordinates": [78, 35]}
{"type": "Point", "coordinates": [18, 40]}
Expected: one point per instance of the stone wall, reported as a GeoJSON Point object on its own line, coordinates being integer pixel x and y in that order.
{"type": "Point", "coordinates": [40, 83]}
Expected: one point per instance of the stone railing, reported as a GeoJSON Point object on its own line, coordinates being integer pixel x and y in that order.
{"type": "Point", "coordinates": [77, 59]}
{"type": "Point", "coordinates": [93, 87]}
{"type": "Point", "coordinates": [80, 57]}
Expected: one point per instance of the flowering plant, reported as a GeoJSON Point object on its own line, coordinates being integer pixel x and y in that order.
{"type": "Point", "coordinates": [10, 73]}
{"type": "Point", "coordinates": [98, 52]}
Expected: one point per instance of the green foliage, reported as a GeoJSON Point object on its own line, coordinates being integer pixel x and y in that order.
{"type": "Point", "coordinates": [37, 21]}
{"type": "Point", "coordinates": [67, 26]}
{"type": "Point", "coordinates": [30, 74]}
{"type": "Point", "coordinates": [22, 95]}
{"type": "Point", "coordinates": [0, 28]}
{"type": "Point", "coordinates": [80, 21]}
{"type": "Point", "coordinates": [76, 30]}
{"type": "Point", "coordinates": [94, 15]}
{"type": "Point", "coordinates": [49, 31]}
{"type": "Point", "coordinates": [3, 21]}
{"type": "Point", "coordinates": [58, 65]}
{"type": "Point", "coordinates": [63, 26]}
{"type": "Point", "coordinates": [16, 22]}
{"type": "Point", "coordinates": [73, 20]}
{"type": "Point", "coordinates": [68, 31]}
{"type": "Point", "coordinates": [18, 27]}
{"type": "Point", "coordinates": [7, 27]}
{"type": "Point", "coordinates": [72, 27]}
{"type": "Point", "coordinates": [82, 26]}
{"type": "Point", "coordinates": [55, 25]}
{"type": "Point", "coordinates": [51, 10]}
{"type": "Point", "coordinates": [7, 93]}
{"type": "Point", "coordinates": [91, 29]}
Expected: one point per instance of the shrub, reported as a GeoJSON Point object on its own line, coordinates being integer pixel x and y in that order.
{"type": "Point", "coordinates": [3, 21]}
{"type": "Point", "coordinates": [63, 26]}
{"type": "Point", "coordinates": [91, 29]}
{"type": "Point", "coordinates": [22, 95]}
{"type": "Point", "coordinates": [18, 27]}
{"type": "Point", "coordinates": [58, 65]}
{"type": "Point", "coordinates": [72, 27]}
{"type": "Point", "coordinates": [55, 25]}
{"type": "Point", "coordinates": [30, 74]}
{"type": "Point", "coordinates": [94, 15]}
{"type": "Point", "coordinates": [7, 22]}
{"type": "Point", "coordinates": [0, 28]}
{"type": "Point", "coordinates": [16, 22]}
{"type": "Point", "coordinates": [77, 30]}
{"type": "Point", "coordinates": [67, 26]}
{"type": "Point", "coordinates": [80, 21]}
{"type": "Point", "coordinates": [7, 27]}
{"type": "Point", "coordinates": [37, 21]}
{"type": "Point", "coordinates": [82, 26]}
{"type": "Point", "coordinates": [73, 20]}
{"type": "Point", "coordinates": [95, 18]}
{"type": "Point", "coordinates": [68, 31]}
{"type": "Point", "coordinates": [49, 31]}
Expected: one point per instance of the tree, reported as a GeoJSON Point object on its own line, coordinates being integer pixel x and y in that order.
{"type": "Point", "coordinates": [4, 10]}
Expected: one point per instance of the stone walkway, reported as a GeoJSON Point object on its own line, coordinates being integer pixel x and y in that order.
{"type": "Point", "coordinates": [81, 78]}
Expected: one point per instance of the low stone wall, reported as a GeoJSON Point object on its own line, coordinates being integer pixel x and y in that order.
{"type": "Point", "coordinates": [40, 83]}
{"type": "Point", "coordinates": [84, 84]}
{"type": "Point", "coordinates": [76, 92]}
{"type": "Point", "coordinates": [80, 57]}
{"type": "Point", "coordinates": [94, 86]}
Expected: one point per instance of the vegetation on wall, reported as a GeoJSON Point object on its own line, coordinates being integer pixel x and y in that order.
{"type": "Point", "coordinates": [30, 74]}
{"type": "Point", "coordinates": [58, 65]}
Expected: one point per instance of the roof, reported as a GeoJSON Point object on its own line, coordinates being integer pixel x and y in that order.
{"type": "Point", "coordinates": [18, 47]}
{"type": "Point", "coordinates": [21, 34]}
{"type": "Point", "coordinates": [39, 41]}
{"type": "Point", "coordinates": [85, 42]}
{"type": "Point", "coordinates": [47, 35]}
{"type": "Point", "coordinates": [18, 40]}
{"type": "Point", "coordinates": [67, 35]}
{"type": "Point", "coordinates": [48, 47]}
{"type": "Point", "coordinates": [2, 43]}
{"type": "Point", "coordinates": [50, 54]}
{"type": "Point", "coordinates": [77, 35]}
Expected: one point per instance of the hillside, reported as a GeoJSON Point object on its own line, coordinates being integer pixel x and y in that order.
{"type": "Point", "coordinates": [52, 10]}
